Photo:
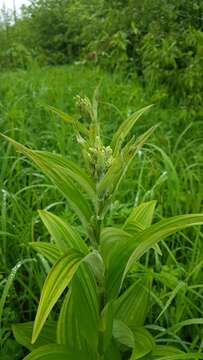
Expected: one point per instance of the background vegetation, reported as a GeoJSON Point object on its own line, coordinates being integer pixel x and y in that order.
{"type": "Point", "coordinates": [161, 42]}
{"type": "Point", "coordinates": [142, 52]}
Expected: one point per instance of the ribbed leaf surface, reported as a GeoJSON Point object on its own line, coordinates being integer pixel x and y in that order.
{"type": "Point", "coordinates": [160, 231]}
{"type": "Point", "coordinates": [49, 251]}
{"type": "Point", "coordinates": [57, 280]}
{"type": "Point", "coordinates": [123, 334]}
{"type": "Point", "coordinates": [64, 235]}
{"type": "Point", "coordinates": [79, 318]}
{"type": "Point", "coordinates": [140, 217]}
{"type": "Point", "coordinates": [131, 307]}
{"type": "Point", "coordinates": [67, 177]}
{"type": "Point", "coordinates": [116, 247]}
{"type": "Point", "coordinates": [55, 352]}
{"type": "Point", "coordinates": [143, 343]}
{"type": "Point", "coordinates": [125, 128]}
{"type": "Point", "coordinates": [23, 334]}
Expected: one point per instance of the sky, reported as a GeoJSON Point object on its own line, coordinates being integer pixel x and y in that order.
{"type": "Point", "coordinates": [9, 3]}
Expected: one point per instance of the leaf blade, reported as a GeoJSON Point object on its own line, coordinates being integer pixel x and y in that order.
{"type": "Point", "coordinates": [23, 333]}
{"type": "Point", "coordinates": [64, 235]}
{"type": "Point", "coordinates": [159, 231]}
{"type": "Point", "coordinates": [57, 280]}
{"type": "Point", "coordinates": [125, 128]}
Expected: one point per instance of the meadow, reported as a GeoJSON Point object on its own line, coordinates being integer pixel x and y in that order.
{"type": "Point", "coordinates": [167, 169]}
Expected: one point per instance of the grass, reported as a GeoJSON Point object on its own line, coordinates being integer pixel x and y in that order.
{"type": "Point", "coordinates": [169, 169]}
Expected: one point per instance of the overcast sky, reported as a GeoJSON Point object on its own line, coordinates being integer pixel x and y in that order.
{"type": "Point", "coordinates": [9, 3]}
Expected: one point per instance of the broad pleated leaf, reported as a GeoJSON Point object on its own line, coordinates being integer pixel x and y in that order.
{"type": "Point", "coordinates": [64, 235]}
{"type": "Point", "coordinates": [140, 217]}
{"type": "Point", "coordinates": [116, 247]}
{"type": "Point", "coordinates": [85, 295]}
{"type": "Point", "coordinates": [65, 178]}
{"type": "Point", "coordinates": [131, 307]}
{"type": "Point", "coordinates": [75, 172]}
{"type": "Point", "coordinates": [96, 264]}
{"type": "Point", "coordinates": [143, 343]}
{"type": "Point", "coordinates": [125, 128]}
{"type": "Point", "coordinates": [106, 327]}
{"type": "Point", "coordinates": [79, 317]}
{"type": "Point", "coordinates": [165, 350]}
{"type": "Point", "coordinates": [49, 251]}
{"type": "Point", "coordinates": [68, 328]}
{"type": "Point", "coordinates": [160, 231]}
{"type": "Point", "coordinates": [57, 280]}
{"type": "Point", "coordinates": [55, 352]}
{"type": "Point", "coordinates": [123, 334]}
{"type": "Point", "coordinates": [23, 334]}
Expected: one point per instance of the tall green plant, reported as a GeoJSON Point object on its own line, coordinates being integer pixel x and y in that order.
{"type": "Point", "coordinates": [103, 310]}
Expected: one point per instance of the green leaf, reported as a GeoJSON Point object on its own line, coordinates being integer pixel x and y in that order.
{"type": "Point", "coordinates": [125, 128]}
{"type": "Point", "coordinates": [23, 333]}
{"type": "Point", "coordinates": [68, 329]}
{"type": "Point", "coordinates": [69, 119]}
{"type": "Point", "coordinates": [112, 353]}
{"type": "Point", "coordinates": [140, 217]}
{"type": "Point", "coordinates": [123, 334]}
{"type": "Point", "coordinates": [96, 264]}
{"type": "Point", "coordinates": [85, 294]}
{"type": "Point", "coordinates": [159, 231]}
{"type": "Point", "coordinates": [9, 283]}
{"type": "Point", "coordinates": [176, 327]}
{"type": "Point", "coordinates": [184, 356]}
{"type": "Point", "coordinates": [79, 316]}
{"type": "Point", "coordinates": [75, 172]}
{"type": "Point", "coordinates": [144, 343]}
{"type": "Point", "coordinates": [95, 109]}
{"type": "Point", "coordinates": [64, 235]}
{"type": "Point", "coordinates": [106, 327]}
{"type": "Point", "coordinates": [54, 352]}
{"type": "Point", "coordinates": [165, 352]}
{"type": "Point", "coordinates": [111, 176]}
{"type": "Point", "coordinates": [112, 179]}
{"type": "Point", "coordinates": [49, 251]}
{"type": "Point", "coordinates": [116, 247]}
{"type": "Point", "coordinates": [63, 174]}
{"type": "Point", "coordinates": [57, 280]}
{"type": "Point", "coordinates": [129, 151]}
{"type": "Point", "coordinates": [131, 307]}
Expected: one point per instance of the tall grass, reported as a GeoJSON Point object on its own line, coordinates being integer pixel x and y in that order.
{"type": "Point", "coordinates": [170, 171]}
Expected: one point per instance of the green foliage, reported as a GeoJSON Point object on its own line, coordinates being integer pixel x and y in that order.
{"type": "Point", "coordinates": [160, 42]}
{"type": "Point", "coordinates": [104, 311]}
{"type": "Point", "coordinates": [171, 172]}
{"type": "Point", "coordinates": [175, 62]}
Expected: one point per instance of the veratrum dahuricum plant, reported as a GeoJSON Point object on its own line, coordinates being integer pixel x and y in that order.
{"type": "Point", "coordinates": [102, 314]}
